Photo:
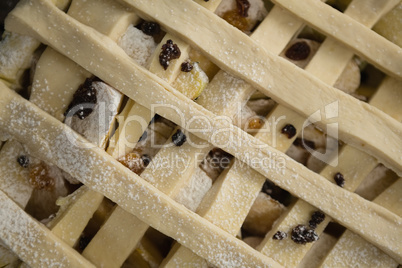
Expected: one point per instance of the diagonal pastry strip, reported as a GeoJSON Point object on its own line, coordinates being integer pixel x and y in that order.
{"type": "Point", "coordinates": [347, 251]}
{"type": "Point", "coordinates": [51, 140]}
{"type": "Point", "coordinates": [362, 40]}
{"type": "Point", "coordinates": [278, 78]}
{"type": "Point", "coordinates": [23, 234]}
{"type": "Point", "coordinates": [129, 78]}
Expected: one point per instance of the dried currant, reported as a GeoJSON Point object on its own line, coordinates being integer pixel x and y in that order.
{"type": "Point", "coordinates": [179, 138]}
{"type": "Point", "coordinates": [289, 130]}
{"type": "Point", "coordinates": [146, 159]}
{"type": "Point", "coordinates": [170, 51]}
{"type": "Point", "coordinates": [298, 51]}
{"type": "Point", "coordinates": [280, 235]}
{"type": "Point", "coordinates": [339, 179]}
{"type": "Point", "coordinates": [302, 234]}
{"type": "Point", "coordinates": [84, 96]}
{"type": "Point", "coordinates": [150, 28]}
{"type": "Point", "coordinates": [186, 67]}
{"type": "Point", "coordinates": [317, 218]}
{"type": "Point", "coordinates": [23, 161]}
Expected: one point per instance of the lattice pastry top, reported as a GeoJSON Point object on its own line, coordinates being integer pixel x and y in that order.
{"type": "Point", "coordinates": [153, 120]}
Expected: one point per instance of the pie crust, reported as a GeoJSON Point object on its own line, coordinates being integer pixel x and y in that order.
{"type": "Point", "coordinates": [149, 200]}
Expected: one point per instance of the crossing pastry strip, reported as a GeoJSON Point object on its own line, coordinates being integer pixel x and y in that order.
{"type": "Point", "coordinates": [361, 40]}
{"type": "Point", "coordinates": [347, 250]}
{"type": "Point", "coordinates": [114, 242]}
{"type": "Point", "coordinates": [277, 78]}
{"type": "Point", "coordinates": [181, 255]}
{"type": "Point", "coordinates": [366, 13]}
{"type": "Point", "coordinates": [121, 185]}
{"type": "Point", "coordinates": [129, 76]}
{"type": "Point", "coordinates": [226, 205]}
{"type": "Point", "coordinates": [352, 164]}
{"type": "Point", "coordinates": [75, 214]}
{"type": "Point", "coordinates": [29, 239]}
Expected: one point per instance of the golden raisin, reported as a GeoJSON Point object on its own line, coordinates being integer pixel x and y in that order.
{"type": "Point", "coordinates": [39, 177]}
{"type": "Point", "coordinates": [255, 123]}
{"type": "Point", "coordinates": [133, 161]}
{"type": "Point", "coordinates": [234, 18]}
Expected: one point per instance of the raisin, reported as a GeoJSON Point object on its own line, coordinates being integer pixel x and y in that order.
{"type": "Point", "coordinates": [85, 94]}
{"type": "Point", "coordinates": [339, 179]}
{"type": "Point", "coordinates": [150, 28]}
{"type": "Point", "coordinates": [39, 177]}
{"type": "Point", "coordinates": [280, 235]}
{"type": "Point", "coordinates": [146, 159]}
{"type": "Point", "coordinates": [317, 218]}
{"type": "Point", "coordinates": [302, 234]}
{"type": "Point", "coordinates": [298, 51]}
{"type": "Point", "coordinates": [235, 19]}
{"type": "Point", "coordinates": [243, 6]}
{"type": "Point", "coordinates": [289, 130]}
{"type": "Point", "coordinates": [169, 52]}
{"type": "Point", "coordinates": [179, 138]}
{"type": "Point", "coordinates": [186, 67]}
{"type": "Point", "coordinates": [23, 161]}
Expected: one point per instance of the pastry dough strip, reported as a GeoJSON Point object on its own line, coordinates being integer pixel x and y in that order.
{"type": "Point", "coordinates": [341, 57]}
{"type": "Point", "coordinates": [277, 77]}
{"type": "Point", "coordinates": [129, 76]}
{"type": "Point", "coordinates": [72, 220]}
{"type": "Point", "coordinates": [366, 43]}
{"type": "Point", "coordinates": [347, 250]}
{"type": "Point", "coordinates": [32, 241]}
